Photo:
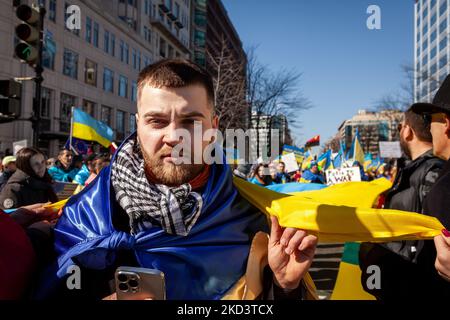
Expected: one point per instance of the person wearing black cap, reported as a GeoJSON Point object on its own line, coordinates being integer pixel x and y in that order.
{"type": "Point", "coordinates": [437, 202]}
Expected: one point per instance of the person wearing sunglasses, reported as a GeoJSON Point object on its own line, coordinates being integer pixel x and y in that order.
{"type": "Point", "coordinates": [398, 260]}
{"type": "Point", "coordinates": [437, 203]}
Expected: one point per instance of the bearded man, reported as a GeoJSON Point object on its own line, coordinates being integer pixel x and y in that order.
{"type": "Point", "coordinates": [187, 220]}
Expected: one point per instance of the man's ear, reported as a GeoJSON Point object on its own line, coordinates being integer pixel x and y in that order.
{"type": "Point", "coordinates": [215, 122]}
{"type": "Point", "coordinates": [409, 133]}
{"type": "Point", "coordinates": [447, 125]}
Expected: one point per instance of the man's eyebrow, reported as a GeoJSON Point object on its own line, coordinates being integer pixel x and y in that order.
{"type": "Point", "coordinates": [155, 114]}
{"type": "Point", "coordinates": [193, 114]}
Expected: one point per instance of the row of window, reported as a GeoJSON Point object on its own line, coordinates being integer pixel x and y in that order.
{"type": "Point", "coordinates": [106, 115]}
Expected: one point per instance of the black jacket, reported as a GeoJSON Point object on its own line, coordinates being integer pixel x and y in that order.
{"type": "Point", "coordinates": [22, 190]}
{"type": "Point", "coordinates": [4, 177]}
{"type": "Point", "coordinates": [400, 262]}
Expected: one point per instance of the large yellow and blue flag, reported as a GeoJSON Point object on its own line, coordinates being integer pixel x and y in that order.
{"type": "Point", "coordinates": [87, 128]}
{"type": "Point", "coordinates": [324, 161]}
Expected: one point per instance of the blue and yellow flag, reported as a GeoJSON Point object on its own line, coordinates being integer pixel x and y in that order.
{"type": "Point", "coordinates": [356, 152]}
{"type": "Point", "coordinates": [87, 128]}
{"type": "Point", "coordinates": [324, 161]}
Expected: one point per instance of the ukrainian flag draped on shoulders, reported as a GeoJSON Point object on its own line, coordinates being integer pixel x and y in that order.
{"type": "Point", "coordinates": [205, 264]}
{"type": "Point", "coordinates": [87, 128]}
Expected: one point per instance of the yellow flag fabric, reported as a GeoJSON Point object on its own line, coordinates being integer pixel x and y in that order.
{"type": "Point", "coordinates": [342, 213]}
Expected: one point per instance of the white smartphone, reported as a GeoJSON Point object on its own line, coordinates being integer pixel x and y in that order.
{"type": "Point", "coordinates": [140, 284]}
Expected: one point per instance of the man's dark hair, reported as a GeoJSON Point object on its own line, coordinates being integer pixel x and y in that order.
{"type": "Point", "coordinates": [419, 125]}
{"type": "Point", "coordinates": [175, 73]}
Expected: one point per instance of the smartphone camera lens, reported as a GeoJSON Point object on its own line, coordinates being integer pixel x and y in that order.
{"type": "Point", "coordinates": [122, 278]}
{"type": "Point", "coordinates": [133, 283]}
{"type": "Point", "coordinates": [123, 287]}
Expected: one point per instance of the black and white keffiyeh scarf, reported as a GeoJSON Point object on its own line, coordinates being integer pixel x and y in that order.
{"type": "Point", "coordinates": [174, 209]}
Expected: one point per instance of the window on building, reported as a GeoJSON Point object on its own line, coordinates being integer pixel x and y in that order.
{"type": "Point", "coordinates": [70, 63]}
{"type": "Point", "coordinates": [113, 45]}
{"type": "Point", "coordinates": [176, 12]}
{"type": "Point", "coordinates": [127, 53]}
{"type": "Point", "coordinates": [120, 125]}
{"type": "Point", "coordinates": [89, 107]}
{"type": "Point", "coordinates": [67, 101]}
{"type": "Point", "coordinates": [433, 69]}
{"type": "Point", "coordinates": [46, 105]}
{"type": "Point", "coordinates": [433, 53]}
{"type": "Point", "coordinates": [106, 115]}
{"type": "Point", "coordinates": [75, 31]}
{"type": "Point", "coordinates": [200, 58]}
{"type": "Point", "coordinates": [425, 29]}
{"type": "Point", "coordinates": [171, 51]}
{"type": "Point", "coordinates": [95, 34]}
{"type": "Point", "coordinates": [433, 20]}
{"type": "Point", "coordinates": [134, 91]}
{"type": "Point", "coordinates": [132, 122]}
{"type": "Point", "coordinates": [199, 38]}
{"type": "Point", "coordinates": [425, 45]}
{"type": "Point", "coordinates": [443, 7]}
{"type": "Point", "coordinates": [432, 4]}
{"type": "Point", "coordinates": [134, 55]}
{"type": "Point", "coordinates": [88, 35]}
{"type": "Point", "coordinates": [424, 60]}
{"type": "Point", "coordinates": [90, 74]}
{"type": "Point", "coordinates": [106, 41]}
{"type": "Point", "coordinates": [433, 36]}
{"type": "Point", "coordinates": [122, 51]}
{"type": "Point", "coordinates": [108, 80]}
{"type": "Point", "coordinates": [424, 13]}
{"type": "Point", "coordinates": [443, 43]}
{"type": "Point", "coordinates": [442, 61]}
{"type": "Point", "coordinates": [443, 26]}
{"type": "Point", "coordinates": [162, 47]}
{"type": "Point", "coordinates": [49, 53]}
{"type": "Point", "coordinates": [123, 86]}
{"type": "Point", "coordinates": [52, 10]}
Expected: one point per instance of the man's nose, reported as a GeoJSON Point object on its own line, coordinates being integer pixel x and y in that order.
{"type": "Point", "coordinates": [172, 135]}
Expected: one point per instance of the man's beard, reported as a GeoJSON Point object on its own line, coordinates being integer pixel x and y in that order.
{"type": "Point", "coordinates": [168, 173]}
{"type": "Point", "coordinates": [405, 148]}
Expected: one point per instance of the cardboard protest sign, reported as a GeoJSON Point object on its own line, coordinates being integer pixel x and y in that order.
{"type": "Point", "coordinates": [341, 175]}
{"type": "Point", "coordinates": [390, 149]}
{"type": "Point", "coordinates": [64, 190]}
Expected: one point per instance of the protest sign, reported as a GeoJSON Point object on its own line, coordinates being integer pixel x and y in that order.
{"type": "Point", "coordinates": [390, 149]}
{"type": "Point", "coordinates": [341, 175]}
{"type": "Point", "coordinates": [290, 161]}
{"type": "Point", "coordinates": [17, 145]}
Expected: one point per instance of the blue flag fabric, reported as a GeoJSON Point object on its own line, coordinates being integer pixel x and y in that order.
{"type": "Point", "coordinates": [79, 145]}
{"type": "Point", "coordinates": [205, 264]}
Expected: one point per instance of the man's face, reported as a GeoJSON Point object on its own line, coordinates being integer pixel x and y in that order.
{"type": "Point", "coordinates": [281, 168]}
{"type": "Point", "coordinates": [161, 112]}
{"type": "Point", "coordinates": [65, 158]}
{"type": "Point", "coordinates": [439, 131]}
{"type": "Point", "coordinates": [314, 169]}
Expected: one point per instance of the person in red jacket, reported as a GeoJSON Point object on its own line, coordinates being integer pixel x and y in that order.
{"type": "Point", "coordinates": [18, 257]}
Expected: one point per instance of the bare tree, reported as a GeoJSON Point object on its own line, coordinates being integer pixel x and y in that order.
{"type": "Point", "coordinates": [229, 86]}
{"type": "Point", "coordinates": [273, 93]}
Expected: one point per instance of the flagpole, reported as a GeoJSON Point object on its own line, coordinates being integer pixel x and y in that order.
{"type": "Point", "coordinates": [71, 131]}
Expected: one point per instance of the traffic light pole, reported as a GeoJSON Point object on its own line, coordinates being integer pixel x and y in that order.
{"type": "Point", "coordinates": [36, 117]}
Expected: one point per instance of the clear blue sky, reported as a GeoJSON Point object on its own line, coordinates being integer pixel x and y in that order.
{"type": "Point", "coordinates": [345, 66]}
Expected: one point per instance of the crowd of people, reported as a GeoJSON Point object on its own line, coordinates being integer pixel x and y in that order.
{"type": "Point", "coordinates": [141, 209]}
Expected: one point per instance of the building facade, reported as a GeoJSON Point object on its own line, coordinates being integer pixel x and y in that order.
{"type": "Point", "coordinates": [95, 67]}
{"type": "Point", "coordinates": [264, 127]}
{"type": "Point", "coordinates": [373, 127]}
{"type": "Point", "coordinates": [431, 49]}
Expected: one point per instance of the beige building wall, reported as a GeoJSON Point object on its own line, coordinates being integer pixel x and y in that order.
{"type": "Point", "coordinates": [142, 36]}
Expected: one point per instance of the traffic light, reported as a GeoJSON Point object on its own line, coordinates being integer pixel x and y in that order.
{"type": "Point", "coordinates": [28, 49]}
{"type": "Point", "coordinates": [10, 93]}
